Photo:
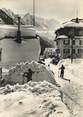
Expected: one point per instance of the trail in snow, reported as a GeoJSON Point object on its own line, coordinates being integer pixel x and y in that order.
{"type": "Point", "coordinates": [73, 90]}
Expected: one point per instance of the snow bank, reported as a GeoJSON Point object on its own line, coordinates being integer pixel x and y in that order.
{"type": "Point", "coordinates": [41, 73]}
{"type": "Point", "coordinates": [37, 88]}
{"type": "Point", "coordinates": [32, 100]}
{"type": "Point", "coordinates": [73, 90]}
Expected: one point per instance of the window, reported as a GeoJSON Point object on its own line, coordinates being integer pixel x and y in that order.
{"type": "Point", "coordinates": [0, 53]}
{"type": "Point", "coordinates": [80, 42]}
{"type": "Point", "coordinates": [57, 50]}
{"type": "Point", "coordinates": [66, 42]}
{"type": "Point", "coordinates": [66, 51]}
{"type": "Point", "coordinates": [71, 33]}
{"type": "Point", "coordinates": [73, 42]}
{"type": "Point", "coordinates": [73, 51]}
{"type": "Point", "coordinates": [80, 50]}
{"type": "Point", "coordinates": [81, 33]}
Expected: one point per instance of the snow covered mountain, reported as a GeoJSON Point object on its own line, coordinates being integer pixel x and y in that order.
{"type": "Point", "coordinates": [10, 17]}
{"type": "Point", "coordinates": [41, 23]}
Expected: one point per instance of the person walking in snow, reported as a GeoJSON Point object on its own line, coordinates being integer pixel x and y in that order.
{"type": "Point", "coordinates": [28, 75]}
{"type": "Point", "coordinates": [2, 82]}
{"type": "Point", "coordinates": [62, 68]}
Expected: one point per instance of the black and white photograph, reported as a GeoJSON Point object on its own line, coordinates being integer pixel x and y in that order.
{"type": "Point", "coordinates": [41, 58]}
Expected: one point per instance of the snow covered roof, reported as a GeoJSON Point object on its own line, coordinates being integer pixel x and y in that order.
{"type": "Point", "coordinates": [73, 24]}
{"type": "Point", "coordinates": [11, 30]}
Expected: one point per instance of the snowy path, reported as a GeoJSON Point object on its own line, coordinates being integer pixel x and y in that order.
{"type": "Point", "coordinates": [72, 91]}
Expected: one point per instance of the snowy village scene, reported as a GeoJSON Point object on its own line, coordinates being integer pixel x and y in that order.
{"type": "Point", "coordinates": [41, 58]}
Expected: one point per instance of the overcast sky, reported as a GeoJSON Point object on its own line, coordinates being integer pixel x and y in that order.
{"type": "Point", "coordinates": [58, 9]}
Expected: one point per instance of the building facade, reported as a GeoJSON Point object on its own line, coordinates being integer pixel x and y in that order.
{"type": "Point", "coordinates": [69, 39]}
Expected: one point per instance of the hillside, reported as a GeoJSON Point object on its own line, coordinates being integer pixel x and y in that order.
{"type": "Point", "coordinates": [41, 23]}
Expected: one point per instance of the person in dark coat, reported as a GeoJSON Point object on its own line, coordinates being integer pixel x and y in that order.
{"type": "Point", "coordinates": [28, 75]}
{"type": "Point", "coordinates": [2, 82]}
{"type": "Point", "coordinates": [62, 68]}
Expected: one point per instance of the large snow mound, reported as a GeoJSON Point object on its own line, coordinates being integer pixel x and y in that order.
{"type": "Point", "coordinates": [32, 100]}
{"type": "Point", "coordinates": [41, 73]}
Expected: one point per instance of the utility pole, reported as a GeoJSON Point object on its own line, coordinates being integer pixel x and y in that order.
{"type": "Point", "coordinates": [33, 12]}
{"type": "Point", "coordinates": [18, 40]}
{"type": "Point", "coordinates": [71, 50]}
{"type": "Point", "coordinates": [71, 36]}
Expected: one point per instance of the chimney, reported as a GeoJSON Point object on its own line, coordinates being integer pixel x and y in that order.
{"type": "Point", "coordinates": [77, 20]}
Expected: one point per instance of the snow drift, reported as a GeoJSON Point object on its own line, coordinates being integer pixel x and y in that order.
{"type": "Point", "coordinates": [32, 100]}
{"type": "Point", "coordinates": [73, 90]}
{"type": "Point", "coordinates": [15, 74]}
